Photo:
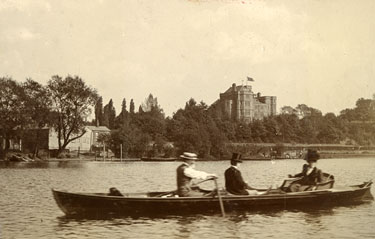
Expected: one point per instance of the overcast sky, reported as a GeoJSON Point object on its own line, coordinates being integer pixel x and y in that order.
{"type": "Point", "coordinates": [320, 53]}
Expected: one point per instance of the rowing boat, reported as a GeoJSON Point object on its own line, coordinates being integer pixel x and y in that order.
{"type": "Point", "coordinates": [168, 203]}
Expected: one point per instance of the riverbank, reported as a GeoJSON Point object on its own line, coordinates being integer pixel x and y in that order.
{"type": "Point", "coordinates": [324, 155]}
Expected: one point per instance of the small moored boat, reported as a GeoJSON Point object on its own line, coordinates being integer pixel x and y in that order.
{"type": "Point", "coordinates": [158, 159]}
{"type": "Point", "coordinates": [152, 203]}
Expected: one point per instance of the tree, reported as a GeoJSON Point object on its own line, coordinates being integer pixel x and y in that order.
{"type": "Point", "coordinates": [37, 109]}
{"type": "Point", "coordinates": [123, 117]}
{"type": "Point", "coordinates": [358, 123]}
{"type": "Point", "coordinates": [258, 131]}
{"type": "Point", "coordinates": [228, 128]}
{"type": "Point", "coordinates": [150, 103]}
{"type": "Point", "coordinates": [365, 109]}
{"type": "Point", "coordinates": [288, 110]}
{"type": "Point", "coordinates": [123, 107]}
{"type": "Point", "coordinates": [109, 115]}
{"type": "Point", "coordinates": [72, 102]}
{"type": "Point", "coordinates": [243, 132]}
{"type": "Point", "coordinates": [193, 129]}
{"type": "Point", "coordinates": [150, 123]}
{"type": "Point", "coordinates": [140, 109]}
{"type": "Point", "coordinates": [286, 129]}
{"type": "Point", "coordinates": [131, 107]}
{"type": "Point", "coordinates": [37, 102]}
{"type": "Point", "coordinates": [99, 112]}
{"type": "Point", "coordinates": [134, 142]}
{"type": "Point", "coordinates": [272, 129]}
{"type": "Point", "coordinates": [308, 131]}
{"type": "Point", "coordinates": [12, 111]}
{"type": "Point", "coordinates": [124, 112]}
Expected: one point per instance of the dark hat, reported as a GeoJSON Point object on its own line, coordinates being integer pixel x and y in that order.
{"type": "Point", "coordinates": [312, 155]}
{"type": "Point", "coordinates": [236, 157]}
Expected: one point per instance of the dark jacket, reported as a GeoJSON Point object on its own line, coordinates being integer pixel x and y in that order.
{"type": "Point", "coordinates": [183, 182]}
{"type": "Point", "coordinates": [234, 182]}
{"type": "Point", "coordinates": [316, 176]}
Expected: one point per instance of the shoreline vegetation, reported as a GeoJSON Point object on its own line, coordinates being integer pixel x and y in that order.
{"type": "Point", "coordinates": [65, 104]}
{"type": "Point", "coordinates": [325, 154]}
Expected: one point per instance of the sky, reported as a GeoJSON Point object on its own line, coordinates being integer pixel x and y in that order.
{"type": "Point", "coordinates": [315, 52]}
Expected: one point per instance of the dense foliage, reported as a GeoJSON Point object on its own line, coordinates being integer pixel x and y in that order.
{"type": "Point", "coordinates": [203, 130]}
{"type": "Point", "coordinates": [66, 103]}
{"type": "Point", "coordinates": [63, 104]}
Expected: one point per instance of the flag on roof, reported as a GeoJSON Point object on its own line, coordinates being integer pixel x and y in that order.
{"type": "Point", "coordinates": [250, 79]}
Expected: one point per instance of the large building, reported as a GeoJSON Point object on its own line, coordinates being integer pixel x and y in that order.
{"type": "Point", "coordinates": [241, 104]}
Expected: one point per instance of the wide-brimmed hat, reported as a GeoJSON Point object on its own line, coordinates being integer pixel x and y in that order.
{"type": "Point", "coordinates": [189, 156]}
{"type": "Point", "coordinates": [312, 155]}
{"type": "Point", "coordinates": [236, 157]}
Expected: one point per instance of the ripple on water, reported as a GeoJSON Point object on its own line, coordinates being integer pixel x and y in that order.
{"type": "Point", "coordinates": [27, 208]}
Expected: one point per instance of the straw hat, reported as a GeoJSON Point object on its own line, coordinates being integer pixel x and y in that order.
{"type": "Point", "coordinates": [189, 156]}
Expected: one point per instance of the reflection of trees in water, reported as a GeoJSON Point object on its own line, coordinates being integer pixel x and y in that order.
{"type": "Point", "coordinates": [21, 165]}
{"type": "Point", "coordinates": [204, 225]}
{"type": "Point", "coordinates": [237, 224]}
{"type": "Point", "coordinates": [42, 164]}
{"type": "Point", "coordinates": [69, 164]}
{"type": "Point", "coordinates": [315, 219]}
{"type": "Point", "coordinates": [187, 225]}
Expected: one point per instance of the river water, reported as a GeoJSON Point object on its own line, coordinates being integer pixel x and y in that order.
{"type": "Point", "coordinates": [28, 210]}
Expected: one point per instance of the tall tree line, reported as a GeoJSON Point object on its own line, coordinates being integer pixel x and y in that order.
{"type": "Point", "coordinates": [66, 103]}
{"type": "Point", "coordinates": [201, 129]}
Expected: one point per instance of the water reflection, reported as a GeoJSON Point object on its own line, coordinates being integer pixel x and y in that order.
{"type": "Point", "coordinates": [42, 164]}
{"type": "Point", "coordinates": [185, 225]}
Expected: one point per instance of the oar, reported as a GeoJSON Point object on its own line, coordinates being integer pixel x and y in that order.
{"type": "Point", "coordinates": [220, 199]}
{"type": "Point", "coordinates": [208, 179]}
{"type": "Point", "coordinates": [174, 191]}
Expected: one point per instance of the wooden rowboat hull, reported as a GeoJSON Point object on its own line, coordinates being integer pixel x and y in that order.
{"type": "Point", "coordinates": [144, 204]}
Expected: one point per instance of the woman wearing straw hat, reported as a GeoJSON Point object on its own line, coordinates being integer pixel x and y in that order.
{"type": "Point", "coordinates": [185, 174]}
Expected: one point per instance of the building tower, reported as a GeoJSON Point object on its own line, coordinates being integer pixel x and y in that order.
{"type": "Point", "coordinates": [239, 103]}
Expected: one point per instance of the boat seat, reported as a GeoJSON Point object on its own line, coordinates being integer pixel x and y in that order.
{"type": "Point", "coordinates": [327, 183]}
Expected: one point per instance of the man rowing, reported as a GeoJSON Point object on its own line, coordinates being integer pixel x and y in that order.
{"type": "Point", "coordinates": [186, 173]}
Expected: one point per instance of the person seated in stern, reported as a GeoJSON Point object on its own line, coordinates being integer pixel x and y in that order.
{"type": "Point", "coordinates": [310, 174]}
{"type": "Point", "coordinates": [185, 174]}
{"type": "Point", "coordinates": [234, 182]}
